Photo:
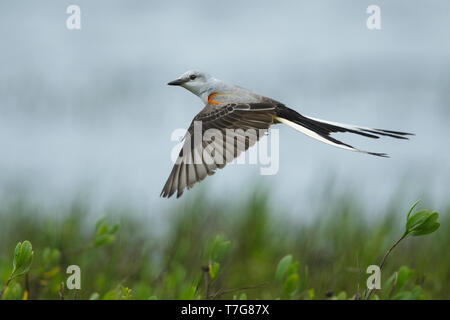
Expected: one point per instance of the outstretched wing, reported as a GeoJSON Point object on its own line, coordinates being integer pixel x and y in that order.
{"type": "Point", "coordinates": [216, 136]}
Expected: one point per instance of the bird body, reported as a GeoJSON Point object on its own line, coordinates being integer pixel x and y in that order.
{"type": "Point", "coordinates": [236, 112]}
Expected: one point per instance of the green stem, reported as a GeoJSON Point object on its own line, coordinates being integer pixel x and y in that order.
{"type": "Point", "coordinates": [7, 284]}
{"type": "Point", "coordinates": [384, 260]}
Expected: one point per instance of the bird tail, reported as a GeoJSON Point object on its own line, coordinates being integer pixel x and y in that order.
{"type": "Point", "coordinates": [322, 130]}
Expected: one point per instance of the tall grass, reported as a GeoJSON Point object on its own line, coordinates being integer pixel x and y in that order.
{"type": "Point", "coordinates": [333, 250]}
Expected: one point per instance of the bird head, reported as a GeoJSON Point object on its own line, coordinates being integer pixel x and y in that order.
{"type": "Point", "coordinates": [195, 81]}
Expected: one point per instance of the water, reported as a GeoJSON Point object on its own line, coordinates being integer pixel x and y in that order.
{"type": "Point", "coordinates": [88, 111]}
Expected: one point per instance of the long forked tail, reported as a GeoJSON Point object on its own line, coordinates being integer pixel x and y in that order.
{"type": "Point", "coordinates": [322, 130]}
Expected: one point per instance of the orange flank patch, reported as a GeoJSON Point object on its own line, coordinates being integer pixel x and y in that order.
{"type": "Point", "coordinates": [211, 99]}
{"type": "Point", "coordinates": [215, 95]}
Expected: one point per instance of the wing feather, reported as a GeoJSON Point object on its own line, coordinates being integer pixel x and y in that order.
{"type": "Point", "coordinates": [202, 159]}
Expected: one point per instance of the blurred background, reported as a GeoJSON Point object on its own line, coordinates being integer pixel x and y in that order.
{"type": "Point", "coordinates": [86, 120]}
{"type": "Point", "coordinates": [90, 109]}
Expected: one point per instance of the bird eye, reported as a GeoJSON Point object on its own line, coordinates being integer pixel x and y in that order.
{"type": "Point", "coordinates": [192, 77]}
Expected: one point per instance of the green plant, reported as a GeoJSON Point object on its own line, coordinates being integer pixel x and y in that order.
{"type": "Point", "coordinates": [243, 264]}
{"type": "Point", "coordinates": [104, 233]}
{"type": "Point", "coordinates": [288, 278]}
{"type": "Point", "coordinates": [418, 224]}
{"type": "Point", "coordinates": [400, 286]}
{"type": "Point", "coordinates": [23, 258]}
{"type": "Point", "coordinates": [217, 248]}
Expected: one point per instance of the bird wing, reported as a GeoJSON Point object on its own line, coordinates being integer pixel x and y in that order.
{"type": "Point", "coordinates": [200, 156]}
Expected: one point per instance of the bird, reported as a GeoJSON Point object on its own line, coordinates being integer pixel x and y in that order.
{"type": "Point", "coordinates": [231, 108]}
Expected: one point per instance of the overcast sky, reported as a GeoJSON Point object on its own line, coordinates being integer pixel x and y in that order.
{"type": "Point", "coordinates": [90, 110]}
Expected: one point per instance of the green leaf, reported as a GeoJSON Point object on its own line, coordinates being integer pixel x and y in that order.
{"type": "Point", "coordinates": [99, 224]}
{"type": "Point", "coordinates": [412, 208]}
{"type": "Point", "coordinates": [104, 240]}
{"type": "Point", "coordinates": [243, 296]}
{"type": "Point", "coordinates": [293, 268]}
{"type": "Point", "coordinates": [104, 233]}
{"type": "Point", "coordinates": [94, 296]}
{"type": "Point", "coordinates": [390, 282]}
{"type": "Point", "coordinates": [404, 295]}
{"type": "Point", "coordinates": [214, 270]}
{"type": "Point", "coordinates": [421, 222]}
{"type": "Point", "coordinates": [415, 293]}
{"type": "Point", "coordinates": [311, 294]}
{"type": "Point", "coordinates": [282, 267]}
{"type": "Point", "coordinates": [218, 248]}
{"type": "Point", "coordinates": [431, 229]}
{"type": "Point", "coordinates": [290, 284]}
{"type": "Point", "coordinates": [428, 226]}
{"type": "Point", "coordinates": [126, 293]}
{"type": "Point", "coordinates": [403, 277]}
{"type": "Point", "coordinates": [416, 219]}
{"type": "Point", "coordinates": [110, 295]}
{"type": "Point", "coordinates": [23, 258]}
{"type": "Point", "coordinates": [341, 296]}
{"type": "Point", "coordinates": [13, 292]}
{"type": "Point", "coordinates": [103, 229]}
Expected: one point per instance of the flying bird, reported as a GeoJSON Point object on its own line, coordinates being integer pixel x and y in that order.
{"type": "Point", "coordinates": [230, 107]}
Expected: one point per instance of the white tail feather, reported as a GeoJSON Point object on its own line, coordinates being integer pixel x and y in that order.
{"type": "Point", "coordinates": [314, 135]}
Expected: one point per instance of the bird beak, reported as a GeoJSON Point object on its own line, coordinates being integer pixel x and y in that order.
{"type": "Point", "coordinates": [177, 82]}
